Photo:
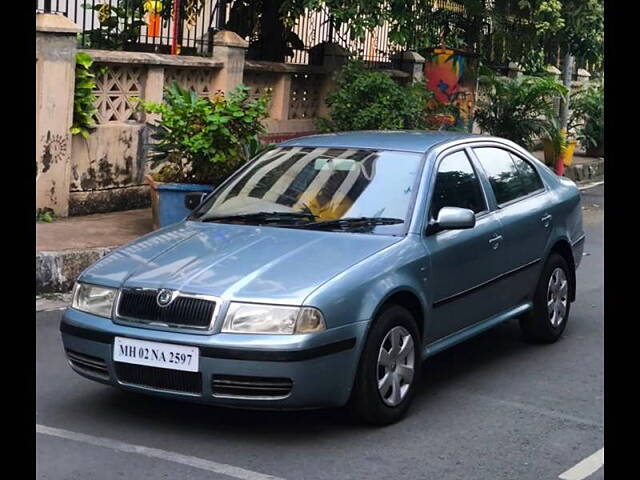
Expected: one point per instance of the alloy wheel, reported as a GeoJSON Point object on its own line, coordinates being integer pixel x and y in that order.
{"type": "Point", "coordinates": [396, 361]}
{"type": "Point", "coordinates": [557, 297]}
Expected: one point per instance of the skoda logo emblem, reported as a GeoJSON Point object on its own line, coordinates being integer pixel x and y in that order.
{"type": "Point", "coordinates": [164, 297]}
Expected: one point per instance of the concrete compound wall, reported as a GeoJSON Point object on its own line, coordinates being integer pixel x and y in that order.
{"type": "Point", "coordinates": [106, 172]}
{"type": "Point", "coordinates": [55, 73]}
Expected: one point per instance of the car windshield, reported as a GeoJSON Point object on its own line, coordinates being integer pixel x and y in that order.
{"type": "Point", "coordinates": [338, 189]}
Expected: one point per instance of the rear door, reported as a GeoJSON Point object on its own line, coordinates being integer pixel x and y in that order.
{"type": "Point", "coordinates": [463, 262]}
{"type": "Point", "coordinates": [524, 208]}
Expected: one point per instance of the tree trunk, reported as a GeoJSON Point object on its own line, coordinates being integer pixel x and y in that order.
{"type": "Point", "coordinates": [567, 70]}
{"type": "Point", "coordinates": [272, 47]}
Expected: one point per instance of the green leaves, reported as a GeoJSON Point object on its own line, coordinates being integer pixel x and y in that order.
{"type": "Point", "coordinates": [518, 109]}
{"type": "Point", "coordinates": [83, 99]}
{"type": "Point", "coordinates": [119, 24]}
{"type": "Point", "coordinates": [201, 140]}
{"type": "Point", "coordinates": [588, 114]}
{"type": "Point", "coordinates": [370, 100]}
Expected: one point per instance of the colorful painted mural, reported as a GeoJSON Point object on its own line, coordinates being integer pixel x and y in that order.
{"type": "Point", "coordinates": [451, 75]}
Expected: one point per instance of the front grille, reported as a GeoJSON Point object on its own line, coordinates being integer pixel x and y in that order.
{"type": "Point", "coordinates": [159, 378]}
{"type": "Point", "coordinates": [87, 364]}
{"type": "Point", "coordinates": [141, 305]}
{"type": "Point", "coordinates": [240, 386]}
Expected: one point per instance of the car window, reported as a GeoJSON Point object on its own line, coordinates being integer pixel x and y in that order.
{"type": "Point", "coordinates": [457, 185]}
{"type": "Point", "coordinates": [531, 181]}
{"type": "Point", "coordinates": [328, 183]}
{"type": "Point", "coordinates": [507, 181]}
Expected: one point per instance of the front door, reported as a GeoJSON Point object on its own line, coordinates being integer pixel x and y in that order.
{"type": "Point", "coordinates": [463, 262]}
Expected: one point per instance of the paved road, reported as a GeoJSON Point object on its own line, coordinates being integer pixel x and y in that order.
{"type": "Point", "coordinates": [492, 408]}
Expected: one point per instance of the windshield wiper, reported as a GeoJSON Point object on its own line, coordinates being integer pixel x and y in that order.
{"type": "Point", "coordinates": [349, 223]}
{"type": "Point", "coordinates": [269, 217]}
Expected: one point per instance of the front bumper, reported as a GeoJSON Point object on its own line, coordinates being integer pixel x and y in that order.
{"type": "Point", "coordinates": [321, 366]}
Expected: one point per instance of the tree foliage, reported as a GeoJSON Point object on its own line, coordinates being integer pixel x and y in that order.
{"type": "Point", "coordinates": [588, 113]}
{"type": "Point", "coordinates": [372, 100]}
{"type": "Point", "coordinates": [525, 31]}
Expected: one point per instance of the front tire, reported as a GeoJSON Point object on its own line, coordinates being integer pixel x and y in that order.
{"type": "Point", "coordinates": [551, 303]}
{"type": "Point", "coordinates": [389, 368]}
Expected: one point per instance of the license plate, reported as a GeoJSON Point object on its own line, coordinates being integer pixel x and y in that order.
{"type": "Point", "coordinates": [152, 354]}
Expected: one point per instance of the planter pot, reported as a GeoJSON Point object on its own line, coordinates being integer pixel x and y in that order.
{"type": "Point", "coordinates": [558, 161]}
{"type": "Point", "coordinates": [567, 154]}
{"type": "Point", "coordinates": [167, 201]}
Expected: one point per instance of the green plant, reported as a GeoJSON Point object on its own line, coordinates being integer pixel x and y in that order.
{"type": "Point", "coordinates": [253, 147]}
{"type": "Point", "coordinates": [588, 114]}
{"type": "Point", "coordinates": [518, 109]}
{"type": "Point", "coordinates": [45, 215]}
{"type": "Point", "coordinates": [83, 99]}
{"type": "Point", "coordinates": [556, 135]}
{"type": "Point", "coordinates": [202, 140]}
{"type": "Point", "coordinates": [370, 100]}
{"type": "Point", "coordinates": [119, 25]}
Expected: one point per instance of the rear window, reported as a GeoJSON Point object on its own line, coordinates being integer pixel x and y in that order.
{"type": "Point", "coordinates": [510, 176]}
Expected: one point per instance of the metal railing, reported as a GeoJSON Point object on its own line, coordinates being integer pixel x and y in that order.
{"type": "Point", "coordinates": [130, 25]}
{"type": "Point", "coordinates": [136, 25]}
{"type": "Point", "coordinates": [310, 29]}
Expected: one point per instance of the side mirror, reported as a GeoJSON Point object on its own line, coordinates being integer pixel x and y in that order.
{"type": "Point", "coordinates": [193, 199]}
{"type": "Point", "coordinates": [452, 218]}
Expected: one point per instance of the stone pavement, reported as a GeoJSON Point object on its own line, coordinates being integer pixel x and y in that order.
{"type": "Point", "coordinates": [65, 247]}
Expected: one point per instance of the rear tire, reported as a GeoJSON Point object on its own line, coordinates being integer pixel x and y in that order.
{"type": "Point", "coordinates": [551, 303]}
{"type": "Point", "coordinates": [390, 366]}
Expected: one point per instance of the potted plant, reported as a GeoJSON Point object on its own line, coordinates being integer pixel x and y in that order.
{"type": "Point", "coordinates": [558, 145]}
{"type": "Point", "coordinates": [198, 143]}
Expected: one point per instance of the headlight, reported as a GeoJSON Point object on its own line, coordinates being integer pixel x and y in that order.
{"type": "Point", "coordinates": [256, 318]}
{"type": "Point", "coordinates": [93, 299]}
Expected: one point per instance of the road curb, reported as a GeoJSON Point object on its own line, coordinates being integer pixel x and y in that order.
{"type": "Point", "coordinates": [588, 185]}
{"type": "Point", "coordinates": [52, 301]}
{"type": "Point", "coordinates": [580, 172]}
{"type": "Point", "coordinates": [57, 271]}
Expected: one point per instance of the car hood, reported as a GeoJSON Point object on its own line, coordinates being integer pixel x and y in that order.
{"type": "Point", "coordinates": [235, 262]}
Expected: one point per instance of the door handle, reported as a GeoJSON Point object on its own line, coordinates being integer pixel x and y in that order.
{"type": "Point", "coordinates": [546, 220]}
{"type": "Point", "coordinates": [495, 241]}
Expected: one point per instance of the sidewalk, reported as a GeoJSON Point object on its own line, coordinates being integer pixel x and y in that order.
{"type": "Point", "coordinates": [583, 168]}
{"type": "Point", "coordinates": [65, 247]}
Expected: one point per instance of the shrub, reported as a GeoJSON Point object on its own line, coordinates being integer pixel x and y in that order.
{"type": "Point", "coordinates": [588, 108]}
{"type": "Point", "coordinates": [370, 100]}
{"type": "Point", "coordinates": [518, 109]}
{"type": "Point", "coordinates": [201, 140]}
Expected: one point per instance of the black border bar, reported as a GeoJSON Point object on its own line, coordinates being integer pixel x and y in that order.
{"type": "Point", "coordinates": [229, 353]}
{"type": "Point", "coordinates": [458, 296]}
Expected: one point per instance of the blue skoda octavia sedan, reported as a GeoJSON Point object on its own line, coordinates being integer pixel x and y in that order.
{"type": "Point", "coordinates": [324, 271]}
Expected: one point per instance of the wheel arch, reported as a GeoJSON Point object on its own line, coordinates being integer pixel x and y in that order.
{"type": "Point", "coordinates": [405, 297]}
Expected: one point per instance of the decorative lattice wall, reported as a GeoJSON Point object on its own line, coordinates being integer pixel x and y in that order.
{"type": "Point", "coordinates": [115, 89]}
{"type": "Point", "coordinates": [259, 82]}
{"type": "Point", "coordinates": [196, 79]}
{"type": "Point", "coordinates": [305, 95]}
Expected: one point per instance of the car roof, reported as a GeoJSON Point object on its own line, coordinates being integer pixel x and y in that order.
{"type": "Point", "coordinates": [402, 140]}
